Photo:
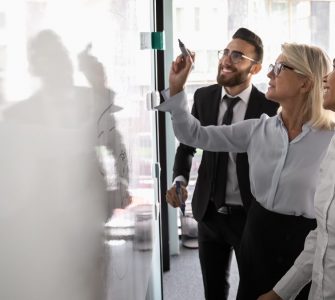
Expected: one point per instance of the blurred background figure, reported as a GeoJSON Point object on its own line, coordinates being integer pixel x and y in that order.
{"type": "Point", "coordinates": [57, 102]}
{"type": "Point", "coordinates": [59, 145]}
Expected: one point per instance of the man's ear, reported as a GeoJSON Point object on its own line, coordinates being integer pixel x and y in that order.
{"type": "Point", "coordinates": [255, 68]}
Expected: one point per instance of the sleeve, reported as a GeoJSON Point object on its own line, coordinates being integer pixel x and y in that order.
{"type": "Point", "coordinates": [300, 273]}
{"type": "Point", "coordinates": [188, 130]}
{"type": "Point", "coordinates": [184, 154]}
{"type": "Point", "coordinates": [183, 161]}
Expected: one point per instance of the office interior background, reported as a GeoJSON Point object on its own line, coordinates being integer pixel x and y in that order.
{"type": "Point", "coordinates": [83, 174]}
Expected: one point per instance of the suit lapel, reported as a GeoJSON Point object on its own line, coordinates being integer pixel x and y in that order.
{"type": "Point", "coordinates": [254, 104]}
{"type": "Point", "coordinates": [215, 111]}
{"type": "Point", "coordinates": [253, 109]}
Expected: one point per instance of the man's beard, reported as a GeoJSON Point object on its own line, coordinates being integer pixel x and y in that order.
{"type": "Point", "coordinates": [238, 78]}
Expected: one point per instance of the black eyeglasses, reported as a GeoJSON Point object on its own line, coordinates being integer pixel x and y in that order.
{"type": "Point", "coordinates": [278, 67]}
{"type": "Point", "coordinates": [235, 56]}
{"type": "Point", "coordinates": [334, 63]}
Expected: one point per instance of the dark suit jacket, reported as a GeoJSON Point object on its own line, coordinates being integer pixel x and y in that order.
{"type": "Point", "coordinates": [205, 109]}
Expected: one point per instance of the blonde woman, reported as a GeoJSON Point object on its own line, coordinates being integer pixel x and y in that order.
{"type": "Point", "coordinates": [316, 262]}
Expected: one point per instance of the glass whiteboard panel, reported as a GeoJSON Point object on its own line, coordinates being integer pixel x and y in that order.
{"type": "Point", "coordinates": [77, 204]}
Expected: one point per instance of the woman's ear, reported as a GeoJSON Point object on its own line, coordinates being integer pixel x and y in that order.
{"type": "Point", "coordinates": [307, 84]}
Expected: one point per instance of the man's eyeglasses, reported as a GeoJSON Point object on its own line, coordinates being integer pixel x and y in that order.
{"type": "Point", "coordinates": [278, 67]}
{"type": "Point", "coordinates": [334, 63]}
{"type": "Point", "coordinates": [235, 56]}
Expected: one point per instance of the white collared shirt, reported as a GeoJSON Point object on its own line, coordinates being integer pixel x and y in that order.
{"type": "Point", "coordinates": [233, 195]}
{"type": "Point", "coordinates": [317, 260]}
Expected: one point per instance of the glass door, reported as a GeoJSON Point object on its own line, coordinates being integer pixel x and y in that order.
{"type": "Point", "coordinates": [79, 173]}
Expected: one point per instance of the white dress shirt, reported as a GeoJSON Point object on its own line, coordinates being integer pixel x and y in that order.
{"type": "Point", "coordinates": [317, 261]}
{"type": "Point", "coordinates": [283, 173]}
{"type": "Point", "coordinates": [233, 195]}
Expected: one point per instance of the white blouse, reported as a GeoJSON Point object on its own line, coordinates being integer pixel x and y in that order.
{"type": "Point", "coordinates": [283, 173]}
{"type": "Point", "coordinates": [317, 261]}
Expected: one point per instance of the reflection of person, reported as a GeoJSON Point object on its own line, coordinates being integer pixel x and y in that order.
{"type": "Point", "coordinates": [219, 232]}
{"type": "Point", "coordinates": [59, 103]}
{"type": "Point", "coordinates": [316, 261]}
{"type": "Point", "coordinates": [284, 151]}
{"type": "Point", "coordinates": [62, 203]}
{"type": "Point", "coordinates": [111, 147]}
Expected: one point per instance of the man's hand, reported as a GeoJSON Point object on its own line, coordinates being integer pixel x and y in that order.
{"type": "Point", "coordinates": [269, 296]}
{"type": "Point", "coordinates": [92, 69]}
{"type": "Point", "coordinates": [172, 197]}
{"type": "Point", "coordinates": [179, 71]}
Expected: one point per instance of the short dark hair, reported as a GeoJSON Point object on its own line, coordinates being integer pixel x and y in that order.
{"type": "Point", "coordinates": [251, 38]}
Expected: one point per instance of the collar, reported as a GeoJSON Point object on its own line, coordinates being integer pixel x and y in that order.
{"type": "Point", "coordinates": [244, 95]}
{"type": "Point", "coordinates": [306, 128]}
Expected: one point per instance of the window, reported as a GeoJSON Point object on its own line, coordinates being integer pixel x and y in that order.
{"type": "Point", "coordinates": [275, 21]}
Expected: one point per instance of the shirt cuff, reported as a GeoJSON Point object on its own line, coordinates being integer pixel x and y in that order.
{"type": "Point", "coordinates": [180, 178]}
{"type": "Point", "coordinates": [291, 283]}
{"type": "Point", "coordinates": [173, 104]}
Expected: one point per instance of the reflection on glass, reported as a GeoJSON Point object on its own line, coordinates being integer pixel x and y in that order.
{"type": "Point", "coordinates": [52, 182]}
{"type": "Point", "coordinates": [77, 193]}
{"type": "Point", "coordinates": [129, 235]}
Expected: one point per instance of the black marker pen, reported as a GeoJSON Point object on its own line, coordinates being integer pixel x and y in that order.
{"type": "Point", "coordinates": [184, 51]}
{"type": "Point", "coordinates": [180, 197]}
{"type": "Point", "coordinates": [183, 48]}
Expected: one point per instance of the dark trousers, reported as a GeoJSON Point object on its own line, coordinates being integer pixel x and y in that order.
{"type": "Point", "coordinates": [218, 236]}
{"type": "Point", "coordinates": [269, 246]}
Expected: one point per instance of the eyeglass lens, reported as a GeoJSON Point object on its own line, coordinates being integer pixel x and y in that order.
{"type": "Point", "coordinates": [235, 56]}
{"type": "Point", "coordinates": [276, 68]}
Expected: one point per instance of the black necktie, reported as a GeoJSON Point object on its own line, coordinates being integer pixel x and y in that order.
{"type": "Point", "coordinates": [220, 175]}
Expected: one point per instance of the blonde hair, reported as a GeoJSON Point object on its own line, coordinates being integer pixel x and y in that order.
{"type": "Point", "coordinates": [313, 63]}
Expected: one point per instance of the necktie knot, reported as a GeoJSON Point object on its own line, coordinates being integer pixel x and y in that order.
{"type": "Point", "coordinates": [231, 102]}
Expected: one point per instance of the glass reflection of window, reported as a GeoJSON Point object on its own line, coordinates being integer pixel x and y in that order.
{"type": "Point", "coordinates": [196, 18]}
{"type": "Point", "coordinates": [212, 62]}
{"type": "Point", "coordinates": [180, 21]}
